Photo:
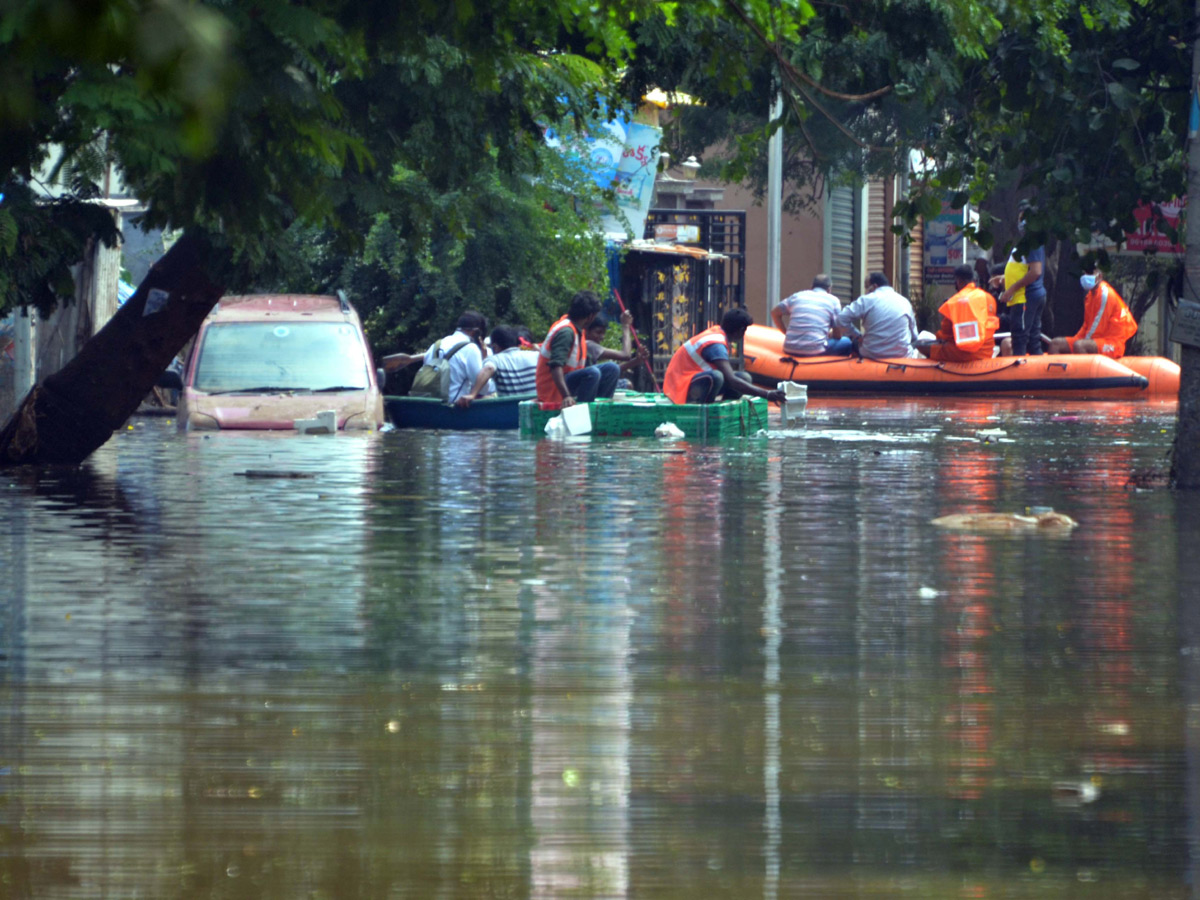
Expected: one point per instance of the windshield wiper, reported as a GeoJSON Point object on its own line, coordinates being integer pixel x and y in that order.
{"type": "Point", "coordinates": [339, 387]}
{"type": "Point", "coordinates": [265, 389]}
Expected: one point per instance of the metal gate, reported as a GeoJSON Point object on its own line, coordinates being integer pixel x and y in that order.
{"type": "Point", "coordinates": [721, 231]}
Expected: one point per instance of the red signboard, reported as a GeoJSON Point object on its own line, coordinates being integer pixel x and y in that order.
{"type": "Point", "coordinates": [1150, 234]}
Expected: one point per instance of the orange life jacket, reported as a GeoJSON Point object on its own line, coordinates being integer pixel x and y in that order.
{"type": "Point", "coordinates": [576, 359]}
{"type": "Point", "coordinates": [973, 322]}
{"type": "Point", "coordinates": [688, 361]}
{"type": "Point", "coordinates": [1106, 317]}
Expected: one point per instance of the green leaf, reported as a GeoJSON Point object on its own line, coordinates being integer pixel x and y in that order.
{"type": "Point", "coordinates": [1121, 98]}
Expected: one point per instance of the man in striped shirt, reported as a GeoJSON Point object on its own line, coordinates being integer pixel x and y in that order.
{"type": "Point", "coordinates": [513, 370]}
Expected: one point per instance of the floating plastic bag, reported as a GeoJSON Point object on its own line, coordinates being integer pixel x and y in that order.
{"type": "Point", "coordinates": [795, 404]}
{"type": "Point", "coordinates": [669, 431]}
{"type": "Point", "coordinates": [555, 428]}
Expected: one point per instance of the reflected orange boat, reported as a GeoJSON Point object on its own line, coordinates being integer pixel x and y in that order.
{"type": "Point", "coordinates": [1081, 377]}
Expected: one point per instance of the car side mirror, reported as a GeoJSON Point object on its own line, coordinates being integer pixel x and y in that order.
{"type": "Point", "coordinates": [381, 376]}
{"type": "Point", "coordinates": [171, 379]}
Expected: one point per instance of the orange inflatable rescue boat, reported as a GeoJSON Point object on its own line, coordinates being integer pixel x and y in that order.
{"type": "Point", "coordinates": [1074, 376]}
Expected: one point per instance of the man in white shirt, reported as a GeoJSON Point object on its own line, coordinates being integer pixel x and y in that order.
{"type": "Point", "coordinates": [467, 359]}
{"type": "Point", "coordinates": [807, 318]}
{"type": "Point", "coordinates": [888, 325]}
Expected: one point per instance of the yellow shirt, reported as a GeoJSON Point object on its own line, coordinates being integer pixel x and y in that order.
{"type": "Point", "coordinates": [1014, 271]}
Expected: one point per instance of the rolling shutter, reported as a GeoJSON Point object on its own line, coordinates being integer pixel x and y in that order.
{"type": "Point", "coordinates": [843, 231]}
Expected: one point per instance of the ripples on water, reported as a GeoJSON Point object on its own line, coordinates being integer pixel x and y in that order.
{"type": "Point", "coordinates": [465, 665]}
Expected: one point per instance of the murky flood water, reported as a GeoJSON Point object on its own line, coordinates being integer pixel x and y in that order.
{"type": "Point", "coordinates": [471, 665]}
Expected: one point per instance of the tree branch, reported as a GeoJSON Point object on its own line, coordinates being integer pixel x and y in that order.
{"type": "Point", "coordinates": [795, 74]}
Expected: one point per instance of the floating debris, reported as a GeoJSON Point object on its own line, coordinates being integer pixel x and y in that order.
{"type": "Point", "coordinates": [1147, 479]}
{"type": "Point", "coordinates": [1075, 793]}
{"type": "Point", "coordinates": [1049, 521]}
{"type": "Point", "coordinates": [272, 473]}
{"type": "Point", "coordinates": [668, 430]}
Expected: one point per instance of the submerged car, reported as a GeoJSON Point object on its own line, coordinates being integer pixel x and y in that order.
{"type": "Point", "coordinates": [264, 361]}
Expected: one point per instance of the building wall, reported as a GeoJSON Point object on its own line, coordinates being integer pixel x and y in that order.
{"type": "Point", "coordinates": [803, 254]}
{"type": "Point", "coordinates": [58, 338]}
{"type": "Point", "coordinates": [799, 258]}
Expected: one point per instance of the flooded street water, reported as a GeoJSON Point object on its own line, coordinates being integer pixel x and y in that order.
{"type": "Point", "coordinates": [474, 665]}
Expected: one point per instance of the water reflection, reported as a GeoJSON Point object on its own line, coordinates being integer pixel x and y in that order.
{"type": "Point", "coordinates": [471, 665]}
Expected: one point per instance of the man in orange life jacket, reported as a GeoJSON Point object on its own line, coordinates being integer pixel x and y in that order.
{"type": "Point", "coordinates": [563, 376]}
{"type": "Point", "coordinates": [1107, 321]}
{"type": "Point", "coordinates": [969, 322]}
{"type": "Point", "coordinates": [699, 372]}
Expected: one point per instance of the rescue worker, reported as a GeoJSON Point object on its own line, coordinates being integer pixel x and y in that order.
{"type": "Point", "coordinates": [1107, 321]}
{"type": "Point", "coordinates": [563, 376]}
{"type": "Point", "coordinates": [969, 322]}
{"type": "Point", "coordinates": [699, 372]}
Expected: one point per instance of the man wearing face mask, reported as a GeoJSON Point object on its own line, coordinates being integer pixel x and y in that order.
{"type": "Point", "coordinates": [1025, 295]}
{"type": "Point", "coordinates": [1107, 321]}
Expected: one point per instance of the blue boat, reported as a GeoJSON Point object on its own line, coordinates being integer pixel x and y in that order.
{"type": "Point", "coordinates": [489, 413]}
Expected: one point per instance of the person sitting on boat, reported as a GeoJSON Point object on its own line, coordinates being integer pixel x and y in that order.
{"type": "Point", "coordinates": [1107, 321]}
{"type": "Point", "coordinates": [512, 370]}
{"type": "Point", "coordinates": [597, 353]}
{"type": "Point", "coordinates": [563, 376]}
{"type": "Point", "coordinates": [808, 320]}
{"type": "Point", "coordinates": [889, 326]}
{"type": "Point", "coordinates": [700, 372]}
{"type": "Point", "coordinates": [462, 352]}
{"type": "Point", "coordinates": [525, 336]}
{"type": "Point", "coordinates": [969, 322]}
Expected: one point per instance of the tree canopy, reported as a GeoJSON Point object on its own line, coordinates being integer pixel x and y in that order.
{"type": "Point", "coordinates": [1082, 106]}
{"type": "Point", "coordinates": [246, 117]}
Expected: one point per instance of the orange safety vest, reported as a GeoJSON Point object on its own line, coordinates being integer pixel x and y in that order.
{"type": "Point", "coordinates": [972, 315]}
{"type": "Point", "coordinates": [576, 359]}
{"type": "Point", "coordinates": [1106, 318]}
{"type": "Point", "coordinates": [688, 361]}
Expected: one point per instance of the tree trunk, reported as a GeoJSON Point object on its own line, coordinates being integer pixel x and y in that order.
{"type": "Point", "coordinates": [1185, 455]}
{"type": "Point", "coordinates": [75, 411]}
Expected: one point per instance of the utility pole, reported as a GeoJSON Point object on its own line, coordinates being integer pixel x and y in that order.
{"type": "Point", "coordinates": [775, 200]}
{"type": "Point", "coordinates": [1185, 455]}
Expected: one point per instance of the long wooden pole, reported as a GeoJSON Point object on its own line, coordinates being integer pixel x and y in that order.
{"type": "Point", "coordinates": [636, 340]}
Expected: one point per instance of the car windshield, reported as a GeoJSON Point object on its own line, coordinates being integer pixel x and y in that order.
{"type": "Point", "coordinates": [291, 356]}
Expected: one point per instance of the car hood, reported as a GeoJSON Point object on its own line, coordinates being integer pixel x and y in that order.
{"type": "Point", "coordinates": [280, 411]}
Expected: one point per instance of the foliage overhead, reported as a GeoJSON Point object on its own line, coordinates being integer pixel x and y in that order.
{"type": "Point", "coordinates": [254, 116]}
{"type": "Point", "coordinates": [518, 250]}
{"type": "Point", "coordinates": [1091, 125]}
{"type": "Point", "coordinates": [1083, 106]}
{"type": "Point", "coordinates": [246, 119]}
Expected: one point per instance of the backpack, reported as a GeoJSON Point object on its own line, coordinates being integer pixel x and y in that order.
{"type": "Point", "coordinates": [433, 380]}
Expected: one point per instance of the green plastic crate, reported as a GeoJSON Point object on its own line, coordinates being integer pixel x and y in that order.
{"type": "Point", "coordinates": [638, 415]}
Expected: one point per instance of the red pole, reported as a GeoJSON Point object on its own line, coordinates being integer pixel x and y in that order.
{"type": "Point", "coordinates": [636, 341]}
